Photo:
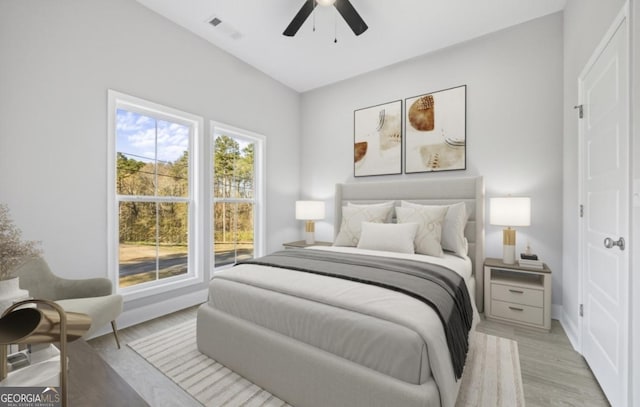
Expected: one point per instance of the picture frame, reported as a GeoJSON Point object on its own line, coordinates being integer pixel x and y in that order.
{"type": "Point", "coordinates": [377, 135]}
{"type": "Point", "coordinates": [435, 131]}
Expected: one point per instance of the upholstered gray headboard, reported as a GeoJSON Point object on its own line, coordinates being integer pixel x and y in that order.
{"type": "Point", "coordinates": [439, 191]}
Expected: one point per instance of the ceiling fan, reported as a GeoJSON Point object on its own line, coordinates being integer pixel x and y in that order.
{"type": "Point", "coordinates": [344, 7]}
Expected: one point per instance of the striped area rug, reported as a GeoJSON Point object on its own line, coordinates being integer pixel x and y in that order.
{"type": "Point", "coordinates": [492, 374]}
{"type": "Point", "coordinates": [491, 377]}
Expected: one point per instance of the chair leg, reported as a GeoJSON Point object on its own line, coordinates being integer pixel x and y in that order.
{"type": "Point", "coordinates": [115, 332]}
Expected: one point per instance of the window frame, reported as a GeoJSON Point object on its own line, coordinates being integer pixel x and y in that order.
{"type": "Point", "coordinates": [196, 273]}
{"type": "Point", "coordinates": [259, 193]}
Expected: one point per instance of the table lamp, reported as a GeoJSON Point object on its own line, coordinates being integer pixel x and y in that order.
{"type": "Point", "coordinates": [510, 211]}
{"type": "Point", "coordinates": [309, 211]}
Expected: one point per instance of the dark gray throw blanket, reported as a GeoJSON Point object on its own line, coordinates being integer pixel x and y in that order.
{"type": "Point", "coordinates": [439, 287]}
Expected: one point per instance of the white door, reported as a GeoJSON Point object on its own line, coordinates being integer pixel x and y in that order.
{"type": "Point", "coordinates": [604, 152]}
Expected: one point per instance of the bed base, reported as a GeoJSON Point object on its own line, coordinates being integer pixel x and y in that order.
{"type": "Point", "coordinates": [300, 374]}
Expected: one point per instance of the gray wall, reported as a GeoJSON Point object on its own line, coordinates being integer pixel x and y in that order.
{"type": "Point", "coordinates": [58, 58]}
{"type": "Point", "coordinates": [585, 23]}
{"type": "Point", "coordinates": [514, 126]}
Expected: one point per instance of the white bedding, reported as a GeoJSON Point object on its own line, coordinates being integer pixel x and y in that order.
{"type": "Point", "coordinates": [382, 329]}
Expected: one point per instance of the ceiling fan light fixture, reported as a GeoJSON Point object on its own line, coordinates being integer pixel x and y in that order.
{"type": "Point", "coordinates": [344, 7]}
{"type": "Point", "coordinates": [325, 2]}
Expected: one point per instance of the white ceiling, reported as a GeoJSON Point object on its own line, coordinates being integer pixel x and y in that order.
{"type": "Point", "coordinates": [398, 30]}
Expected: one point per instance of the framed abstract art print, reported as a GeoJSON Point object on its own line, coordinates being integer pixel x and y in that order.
{"type": "Point", "coordinates": [435, 131]}
{"type": "Point", "coordinates": [377, 133]}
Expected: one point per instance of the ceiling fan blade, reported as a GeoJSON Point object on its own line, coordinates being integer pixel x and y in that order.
{"type": "Point", "coordinates": [300, 18]}
{"type": "Point", "coordinates": [351, 16]}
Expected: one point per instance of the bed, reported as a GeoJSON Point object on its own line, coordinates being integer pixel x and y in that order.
{"type": "Point", "coordinates": [315, 340]}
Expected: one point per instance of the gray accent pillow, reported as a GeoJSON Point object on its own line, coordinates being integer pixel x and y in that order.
{"type": "Point", "coordinates": [388, 237]}
{"type": "Point", "coordinates": [387, 204]}
{"type": "Point", "coordinates": [429, 220]}
{"type": "Point", "coordinates": [455, 221]}
{"type": "Point", "coordinates": [352, 218]}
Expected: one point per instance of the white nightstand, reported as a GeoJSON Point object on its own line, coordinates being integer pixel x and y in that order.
{"type": "Point", "coordinates": [301, 244]}
{"type": "Point", "coordinates": [517, 295]}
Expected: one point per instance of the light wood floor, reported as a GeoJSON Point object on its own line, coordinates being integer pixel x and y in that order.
{"type": "Point", "coordinates": [553, 374]}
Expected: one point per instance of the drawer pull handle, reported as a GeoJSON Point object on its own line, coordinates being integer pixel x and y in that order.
{"type": "Point", "coordinates": [515, 309]}
{"type": "Point", "coordinates": [516, 291]}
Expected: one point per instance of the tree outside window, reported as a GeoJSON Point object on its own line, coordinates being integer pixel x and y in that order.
{"type": "Point", "coordinates": [234, 198]}
{"type": "Point", "coordinates": [152, 184]}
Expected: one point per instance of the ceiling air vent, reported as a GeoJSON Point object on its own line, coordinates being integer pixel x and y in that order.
{"type": "Point", "coordinates": [225, 28]}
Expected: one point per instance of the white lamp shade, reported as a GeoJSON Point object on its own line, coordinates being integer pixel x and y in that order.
{"type": "Point", "coordinates": [510, 211]}
{"type": "Point", "coordinates": [325, 2]}
{"type": "Point", "coordinates": [309, 210]}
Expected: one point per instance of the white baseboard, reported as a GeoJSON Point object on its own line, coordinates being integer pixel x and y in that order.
{"type": "Point", "coordinates": [572, 330]}
{"type": "Point", "coordinates": [148, 312]}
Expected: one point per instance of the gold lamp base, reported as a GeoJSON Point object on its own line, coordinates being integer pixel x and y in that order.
{"type": "Point", "coordinates": [509, 246]}
{"type": "Point", "coordinates": [310, 229]}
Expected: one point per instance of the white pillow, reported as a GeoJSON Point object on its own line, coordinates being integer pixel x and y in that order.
{"type": "Point", "coordinates": [429, 220]}
{"type": "Point", "coordinates": [387, 204]}
{"type": "Point", "coordinates": [352, 218]}
{"type": "Point", "coordinates": [453, 239]}
{"type": "Point", "coordinates": [388, 237]}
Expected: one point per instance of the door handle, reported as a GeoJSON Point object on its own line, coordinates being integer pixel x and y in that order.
{"type": "Point", "coordinates": [609, 243]}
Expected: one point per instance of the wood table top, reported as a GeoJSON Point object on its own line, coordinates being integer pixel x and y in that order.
{"type": "Point", "coordinates": [92, 382]}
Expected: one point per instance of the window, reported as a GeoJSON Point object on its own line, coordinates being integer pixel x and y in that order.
{"type": "Point", "coordinates": [238, 202]}
{"type": "Point", "coordinates": [153, 219]}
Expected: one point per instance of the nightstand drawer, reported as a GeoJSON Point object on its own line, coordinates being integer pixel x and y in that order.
{"type": "Point", "coordinates": [517, 312]}
{"type": "Point", "coordinates": [518, 295]}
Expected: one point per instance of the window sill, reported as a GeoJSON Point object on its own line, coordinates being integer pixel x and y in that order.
{"type": "Point", "coordinates": [158, 287]}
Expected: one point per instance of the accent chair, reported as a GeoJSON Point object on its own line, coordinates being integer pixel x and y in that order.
{"type": "Point", "coordinates": [91, 296]}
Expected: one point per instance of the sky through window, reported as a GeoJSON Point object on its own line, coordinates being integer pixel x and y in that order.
{"type": "Point", "coordinates": [136, 137]}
